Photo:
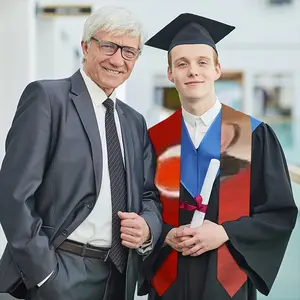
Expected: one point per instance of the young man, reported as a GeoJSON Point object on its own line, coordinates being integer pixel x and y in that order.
{"type": "Point", "coordinates": [78, 201]}
{"type": "Point", "coordinates": [251, 212]}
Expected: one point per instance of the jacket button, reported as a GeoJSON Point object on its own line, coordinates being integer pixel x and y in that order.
{"type": "Point", "coordinates": [90, 205]}
{"type": "Point", "coordinates": [64, 232]}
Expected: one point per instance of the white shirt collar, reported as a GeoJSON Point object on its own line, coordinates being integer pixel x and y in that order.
{"type": "Point", "coordinates": [207, 118]}
{"type": "Point", "coordinates": [98, 96]}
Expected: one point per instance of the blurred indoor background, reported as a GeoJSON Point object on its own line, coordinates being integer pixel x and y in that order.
{"type": "Point", "coordinates": [260, 62]}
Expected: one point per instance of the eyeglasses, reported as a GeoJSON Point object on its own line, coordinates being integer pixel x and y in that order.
{"type": "Point", "coordinates": [109, 48]}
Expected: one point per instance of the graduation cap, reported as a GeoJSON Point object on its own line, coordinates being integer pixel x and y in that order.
{"type": "Point", "coordinates": [190, 29]}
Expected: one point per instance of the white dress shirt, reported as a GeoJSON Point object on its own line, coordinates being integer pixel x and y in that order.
{"type": "Point", "coordinates": [197, 126]}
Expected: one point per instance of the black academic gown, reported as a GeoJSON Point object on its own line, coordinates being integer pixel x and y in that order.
{"type": "Point", "coordinates": [257, 243]}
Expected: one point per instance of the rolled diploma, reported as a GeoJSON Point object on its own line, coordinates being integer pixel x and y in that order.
{"type": "Point", "coordinates": [209, 179]}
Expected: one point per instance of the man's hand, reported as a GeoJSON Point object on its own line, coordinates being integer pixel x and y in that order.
{"type": "Point", "coordinates": [206, 237]}
{"type": "Point", "coordinates": [134, 230]}
{"type": "Point", "coordinates": [174, 241]}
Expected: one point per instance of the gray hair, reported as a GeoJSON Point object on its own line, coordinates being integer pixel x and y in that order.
{"type": "Point", "coordinates": [115, 20]}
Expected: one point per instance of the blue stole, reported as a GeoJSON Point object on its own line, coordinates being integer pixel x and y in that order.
{"type": "Point", "coordinates": [194, 162]}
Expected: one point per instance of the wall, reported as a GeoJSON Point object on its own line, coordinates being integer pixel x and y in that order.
{"type": "Point", "coordinates": [17, 62]}
{"type": "Point", "coordinates": [58, 38]}
{"type": "Point", "coordinates": [266, 40]}
{"type": "Point", "coordinates": [16, 57]}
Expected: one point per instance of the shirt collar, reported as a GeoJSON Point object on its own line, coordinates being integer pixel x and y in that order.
{"type": "Point", "coordinates": [98, 96]}
{"type": "Point", "coordinates": [207, 118]}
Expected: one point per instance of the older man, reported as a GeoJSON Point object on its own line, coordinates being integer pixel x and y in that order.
{"type": "Point", "coordinates": [78, 204]}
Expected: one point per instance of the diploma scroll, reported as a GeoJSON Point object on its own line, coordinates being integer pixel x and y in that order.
{"type": "Point", "coordinates": [210, 177]}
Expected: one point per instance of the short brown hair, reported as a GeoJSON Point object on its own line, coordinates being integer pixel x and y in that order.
{"type": "Point", "coordinates": [216, 59]}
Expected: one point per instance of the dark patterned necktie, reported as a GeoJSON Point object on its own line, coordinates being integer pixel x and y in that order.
{"type": "Point", "coordinates": [118, 253]}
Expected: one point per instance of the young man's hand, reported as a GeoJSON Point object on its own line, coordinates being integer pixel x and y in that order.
{"type": "Point", "coordinates": [206, 237]}
{"type": "Point", "coordinates": [174, 241]}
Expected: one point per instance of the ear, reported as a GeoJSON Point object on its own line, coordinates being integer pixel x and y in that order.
{"type": "Point", "coordinates": [170, 75]}
{"type": "Point", "coordinates": [85, 48]}
{"type": "Point", "coordinates": [218, 72]}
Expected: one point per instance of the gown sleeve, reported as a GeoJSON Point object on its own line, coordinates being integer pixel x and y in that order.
{"type": "Point", "coordinates": [258, 243]}
{"type": "Point", "coordinates": [153, 261]}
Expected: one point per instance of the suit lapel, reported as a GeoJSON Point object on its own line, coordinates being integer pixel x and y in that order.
{"type": "Point", "coordinates": [84, 106]}
{"type": "Point", "coordinates": [128, 151]}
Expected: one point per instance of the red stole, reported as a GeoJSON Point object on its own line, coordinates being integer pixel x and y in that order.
{"type": "Point", "coordinates": [166, 135]}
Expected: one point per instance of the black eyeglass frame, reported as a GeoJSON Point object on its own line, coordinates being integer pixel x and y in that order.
{"type": "Point", "coordinates": [136, 52]}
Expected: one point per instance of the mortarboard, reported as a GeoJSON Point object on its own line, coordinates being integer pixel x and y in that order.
{"type": "Point", "coordinates": [190, 29]}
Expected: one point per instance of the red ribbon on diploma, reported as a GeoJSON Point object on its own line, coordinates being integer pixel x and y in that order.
{"type": "Point", "coordinates": [199, 206]}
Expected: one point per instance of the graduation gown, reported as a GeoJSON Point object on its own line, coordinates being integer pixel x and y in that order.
{"type": "Point", "coordinates": [257, 243]}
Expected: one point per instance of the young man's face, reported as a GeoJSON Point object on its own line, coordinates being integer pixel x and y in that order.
{"type": "Point", "coordinates": [194, 69]}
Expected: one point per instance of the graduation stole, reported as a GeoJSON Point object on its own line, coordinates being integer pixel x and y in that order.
{"type": "Point", "coordinates": [234, 193]}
